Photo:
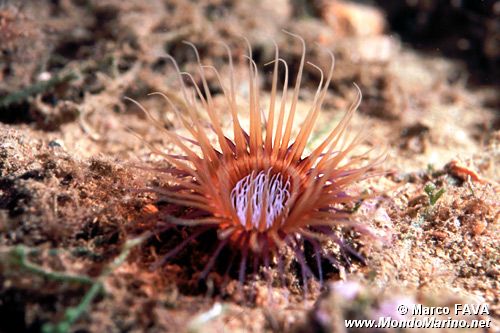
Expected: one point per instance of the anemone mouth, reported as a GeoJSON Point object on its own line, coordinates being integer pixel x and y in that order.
{"type": "Point", "coordinates": [261, 200]}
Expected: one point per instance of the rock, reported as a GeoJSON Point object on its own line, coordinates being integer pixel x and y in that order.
{"type": "Point", "coordinates": [352, 19]}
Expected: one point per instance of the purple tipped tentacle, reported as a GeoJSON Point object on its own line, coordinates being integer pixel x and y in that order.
{"type": "Point", "coordinates": [266, 259]}
{"type": "Point", "coordinates": [212, 259]}
{"type": "Point", "coordinates": [231, 261]}
{"type": "Point", "coordinates": [243, 261]}
{"type": "Point", "coordinates": [281, 268]}
{"type": "Point", "coordinates": [345, 248]}
{"type": "Point", "coordinates": [317, 254]}
{"type": "Point", "coordinates": [305, 270]}
{"type": "Point", "coordinates": [255, 265]}
{"type": "Point", "coordinates": [332, 260]}
{"type": "Point", "coordinates": [178, 248]}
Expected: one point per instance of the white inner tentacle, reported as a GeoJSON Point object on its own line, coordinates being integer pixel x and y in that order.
{"type": "Point", "coordinates": [250, 191]}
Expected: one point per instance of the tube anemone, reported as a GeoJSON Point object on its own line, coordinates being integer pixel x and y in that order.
{"type": "Point", "coordinates": [256, 188]}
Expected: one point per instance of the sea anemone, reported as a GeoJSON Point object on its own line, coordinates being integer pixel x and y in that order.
{"type": "Point", "coordinates": [256, 188]}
